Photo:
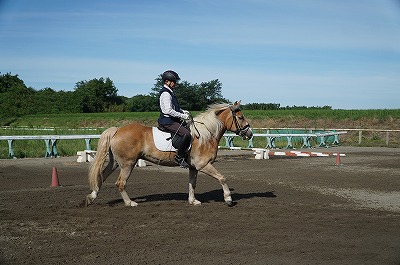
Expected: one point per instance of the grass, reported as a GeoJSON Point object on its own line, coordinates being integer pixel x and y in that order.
{"type": "Point", "coordinates": [77, 120]}
{"type": "Point", "coordinates": [95, 123]}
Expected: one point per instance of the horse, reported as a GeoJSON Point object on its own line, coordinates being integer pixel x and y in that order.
{"type": "Point", "coordinates": [125, 145]}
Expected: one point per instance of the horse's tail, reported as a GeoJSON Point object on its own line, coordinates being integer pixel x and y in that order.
{"type": "Point", "coordinates": [95, 172]}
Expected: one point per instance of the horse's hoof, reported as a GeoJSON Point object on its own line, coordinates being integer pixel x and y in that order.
{"type": "Point", "coordinates": [195, 202]}
{"type": "Point", "coordinates": [230, 203]}
{"type": "Point", "coordinates": [131, 204]}
{"type": "Point", "coordinates": [89, 200]}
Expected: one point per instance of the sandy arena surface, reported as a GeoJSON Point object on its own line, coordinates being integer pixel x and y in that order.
{"type": "Point", "coordinates": [288, 211]}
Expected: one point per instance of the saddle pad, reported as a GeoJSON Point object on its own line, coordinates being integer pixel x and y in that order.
{"type": "Point", "coordinates": [161, 142]}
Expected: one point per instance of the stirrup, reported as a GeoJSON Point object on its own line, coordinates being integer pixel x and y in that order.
{"type": "Point", "coordinates": [181, 162]}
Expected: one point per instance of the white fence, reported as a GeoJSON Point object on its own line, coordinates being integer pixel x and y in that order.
{"type": "Point", "coordinates": [51, 140]}
{"type": "Point", "coordinates": [271, 138]}
{"type": "Point", "coordinates": [360, 133]}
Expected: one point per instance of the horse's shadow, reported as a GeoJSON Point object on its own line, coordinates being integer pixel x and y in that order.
{"type": "Point", "coordinates": [206, 197]}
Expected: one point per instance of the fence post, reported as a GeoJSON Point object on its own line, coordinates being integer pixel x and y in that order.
{"type": "Point", "coordinates": [359, 136]}
{"type": "Point", "coordinates": [250, 145]}
{"type": "Point", "coordinates": [87, 143]}
{"type": "Point", "coordinates": [48, 150]}
{"type": "Point", "coordinates": [336, 141]}
{"type": "Point", "coordinates": [387, 138]}
{"type": "Point", "coordinates": [289, 142]}
{"type": "Point", "coordinates": [54, 147]}
{"type": "Point", "coordinates": [10, 149]}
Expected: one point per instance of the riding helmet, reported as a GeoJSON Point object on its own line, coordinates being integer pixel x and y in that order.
{"type": "Point", "coordinates": [170, 76]}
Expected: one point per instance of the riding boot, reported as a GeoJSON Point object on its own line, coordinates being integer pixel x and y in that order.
{"type": "Point", "coordinates": [181, 153]}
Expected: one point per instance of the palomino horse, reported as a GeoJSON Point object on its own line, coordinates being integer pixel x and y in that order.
{"type": "Point", "coordinates": [127, 144]}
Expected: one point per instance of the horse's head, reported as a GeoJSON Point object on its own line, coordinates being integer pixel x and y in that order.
{"type": "Point", "coordinates": [238, 123]}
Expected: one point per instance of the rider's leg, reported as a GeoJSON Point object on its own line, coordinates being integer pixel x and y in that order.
{"type": "Point", "coordinates": [181, 153]}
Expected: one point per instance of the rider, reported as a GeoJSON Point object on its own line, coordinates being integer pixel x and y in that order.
{"type": "Point", "coordinates": [171, 115]}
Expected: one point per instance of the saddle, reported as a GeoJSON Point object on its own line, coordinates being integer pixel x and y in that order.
{"type": "Point", "coordinates": [166, 141]}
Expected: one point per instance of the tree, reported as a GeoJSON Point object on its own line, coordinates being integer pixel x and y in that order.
{"type": "Point", "coordinates": [96, 95]}
{"type": "Point", "coordinates": [141, 103]}
{"type": "Point", "coordinates": [210, 92]}
{"type": "Point", "coordinates": [261, 106]}
{"type": "Point", "coordinates": [15, 98]}
{"type": "Point", "coordinates": [9, 83]}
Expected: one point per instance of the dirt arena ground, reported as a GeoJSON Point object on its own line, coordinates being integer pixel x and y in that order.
{"type": "Point", "coordinates": [288, 211]}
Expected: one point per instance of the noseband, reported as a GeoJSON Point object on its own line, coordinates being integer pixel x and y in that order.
{"type": "Point", "coordinates": [241, 131]}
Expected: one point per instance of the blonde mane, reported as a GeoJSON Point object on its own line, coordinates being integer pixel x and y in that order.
{"type": "Point", "coordinates": [207, 123]}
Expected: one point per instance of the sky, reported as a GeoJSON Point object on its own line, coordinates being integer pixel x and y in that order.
{"type": "Point", "coordinates": [343, 54]}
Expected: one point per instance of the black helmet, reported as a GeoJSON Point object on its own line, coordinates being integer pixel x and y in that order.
{"type": "Point", "coordinates": [170, 76]}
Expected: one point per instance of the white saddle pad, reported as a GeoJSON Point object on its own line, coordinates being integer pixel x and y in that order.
{"type": "Point", "coordinates": [161, 142]}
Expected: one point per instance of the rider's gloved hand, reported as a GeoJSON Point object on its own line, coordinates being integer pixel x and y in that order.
{"type": "Point", "coordinates": [185, 116]}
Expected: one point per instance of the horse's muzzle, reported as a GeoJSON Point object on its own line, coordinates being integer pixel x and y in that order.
{"type": "Point", "coordinates": [246, 134]}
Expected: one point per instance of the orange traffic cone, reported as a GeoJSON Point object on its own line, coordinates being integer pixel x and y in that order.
{"type": "Point", "coordinates": [337, 158]}
{"type": "Point", "coordinates": [54, 178]}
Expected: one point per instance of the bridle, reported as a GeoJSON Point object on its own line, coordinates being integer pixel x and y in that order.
{"type": "Point", "coordinates": [241, 131]}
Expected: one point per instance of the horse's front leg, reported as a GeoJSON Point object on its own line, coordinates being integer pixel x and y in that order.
{"type": "Point", "coordinates": [192, 186]}
{"type": "Point", "coordinates": [211, 171]}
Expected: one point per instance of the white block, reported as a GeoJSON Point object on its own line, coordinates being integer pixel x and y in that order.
{"type": "Point", "coordinates": [259, 153]}
{"type": "Point", "coordinates": [141, 163]}
{"type": "Point", "coordinates": [85, 156]}
{"type": "Point", "coordinates": [80, 158]}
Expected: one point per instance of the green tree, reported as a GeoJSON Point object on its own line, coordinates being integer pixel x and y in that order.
{"type": "Point", "coordinates": [96, 95]}
{"type": "Point", "coordinates": [49, 101]}
{"type": "Point", "coordinates": [261, 106]}
{"type": "Point", "coordinates": [140, 103]}
{"type": "Point", "coordinates": [10, 83]}
{"type": "Point", "coordinates": [15, 98]}
{"type": "Point", "coordinates": [210, 93]}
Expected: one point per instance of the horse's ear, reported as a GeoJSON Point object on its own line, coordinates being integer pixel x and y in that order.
{"type": "Point", "coordinates": [236, 105]}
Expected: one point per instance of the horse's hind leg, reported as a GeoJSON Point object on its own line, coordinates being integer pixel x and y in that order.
{"type": "Point", "coordinates": [111, 166]}
{"type": "Point", "coordinates": [121, 182]}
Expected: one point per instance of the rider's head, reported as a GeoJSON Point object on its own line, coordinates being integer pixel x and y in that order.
{"type": "Point", "coordinates": [170, 78]}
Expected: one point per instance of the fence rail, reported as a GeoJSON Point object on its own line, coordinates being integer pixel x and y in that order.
{"type": "Point", "coordinates": [50, 141]}
{"type": "Point", "coordinates": [271, 138]}
{"type": "Point", "coordinates": [320, 134]}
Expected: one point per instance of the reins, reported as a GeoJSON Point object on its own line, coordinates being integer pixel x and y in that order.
{"type": "Point", "coordinates": [194, 125]}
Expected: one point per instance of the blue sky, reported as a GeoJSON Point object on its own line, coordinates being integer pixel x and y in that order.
{"type": "Point", "coordinates": [344, 54]}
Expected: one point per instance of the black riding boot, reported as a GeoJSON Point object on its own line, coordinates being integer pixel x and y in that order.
{"type": "Point", "coordinates": [181, 153]}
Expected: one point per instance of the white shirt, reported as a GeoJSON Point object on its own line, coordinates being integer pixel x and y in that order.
{"type": "Point", "coordinates": [166, 104]}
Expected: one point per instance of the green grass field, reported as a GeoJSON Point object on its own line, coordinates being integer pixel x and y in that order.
{"type": "Point", "coordinates": [78, 120]}
{"type": "Point", "coordinates": [95, 123]}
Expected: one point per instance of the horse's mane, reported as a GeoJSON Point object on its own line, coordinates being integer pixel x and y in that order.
{"type": "Point", "coordinates": [207, 123]}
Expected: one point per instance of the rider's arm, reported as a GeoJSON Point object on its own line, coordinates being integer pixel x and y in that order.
{"type": "Point", "coordinates": [166, 106]}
